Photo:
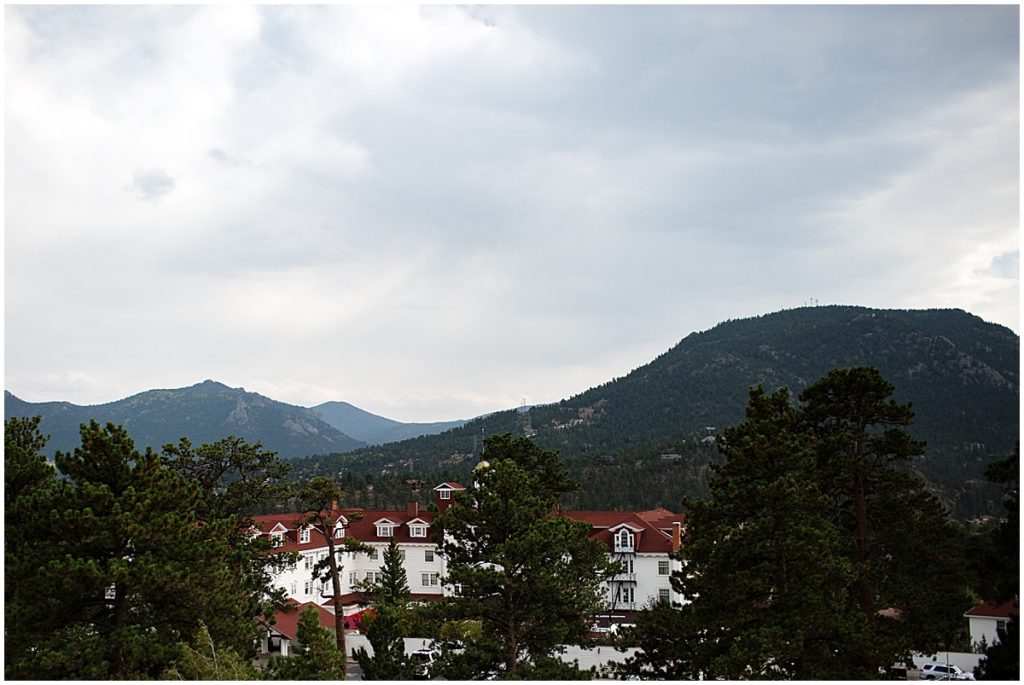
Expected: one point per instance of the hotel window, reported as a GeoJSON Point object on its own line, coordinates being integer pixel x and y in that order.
{"type": "Point", "coordinates": [663, 595]}
{"type": "Point", "coordinates": [663, 568]}
{"type": "Point", "coordinates": [308, 559]}
{"type": "Point", "coordinates": [401, 554]}
{"type": "Point", "coordinates": [430, 579]}
{"type": "Point", "coordinates": [339, 532]}
{"type": "Point", "coordinates": [384, 530]}
{"type": "Point", "coordinates": [304, 534]}
{"type": "Point", "coordinates": [445, 494]}
{"type": "Point", "coordinates": [372, 554]}
{"type": "Point", "coordinates": [428, 555]}
{"type": "Point", "coordinates": [624, 541]}
{"type": "Point", "coordinates": [308, 587]}
{"type": "Point", "coordinates": [417, 531]}
{"type": "Point", "coordinates": [351, 578]}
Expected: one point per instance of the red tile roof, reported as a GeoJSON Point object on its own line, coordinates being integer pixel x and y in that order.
{"type": "Point", "coordinates": [993, 610]}
{"type": "Point", "coordinates": [361, 526]}
{"type": "Point", "coordinates": [653, 527]}
{"type": "Point", "coordinates": [286, 621]}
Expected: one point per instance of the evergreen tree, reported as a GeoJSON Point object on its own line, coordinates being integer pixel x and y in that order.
{"type": "Point", "coordinates": [667, 638]}
{"type": "Point", "coordinates": [531, 577]}
{"type": "Point", "coordinates": [909, 584]}
{"type": "Point", "coordinates": [386, 629]}
{"type": "Point", "coordinates": [316, 657]}
{"type": "Point", "coordinates": [234, 478]}
{"type": "Point", "coordinates": [763, 563]}
{"type": "Point", "coordinates": [820, 554]}
{"type": "Point", "coordinates": [30, 487]}
{"type": "Point", "coordinates": [1002, 583]}
{"type": "Point", "coordinates": [203, 660]}
{"type": "Point", "coordinates": [1002, 659]}
{"type": "Point", "coordinates": [128, 570]}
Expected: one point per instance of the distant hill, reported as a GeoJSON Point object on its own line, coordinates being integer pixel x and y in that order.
{"type": "Point", "coordinates": [961, 374]}
{"type": "Point", "coordinates": [203, 413]}
{"type": "Point", "coordinates": [373, 429]}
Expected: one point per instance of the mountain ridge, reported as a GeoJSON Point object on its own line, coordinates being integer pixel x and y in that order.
{"type": "Point", "coordinates": [961, 374]}
{"type": "Point", "coordinates": [204, 412]}
{"type": "Point", "coordinates": [374, 429]}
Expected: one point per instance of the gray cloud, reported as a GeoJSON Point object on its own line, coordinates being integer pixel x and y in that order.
{"type": "Point", "coordinates": [447, 210]}
{"type": "Point", "coordinates": [152, 184]}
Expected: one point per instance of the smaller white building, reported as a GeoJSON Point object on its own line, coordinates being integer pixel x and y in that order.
{"type": "Point", "coordinates": [986, 618]}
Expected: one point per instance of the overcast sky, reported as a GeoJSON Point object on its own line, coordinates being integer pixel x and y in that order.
{"type": "Point", "coordinates": [438, 212]}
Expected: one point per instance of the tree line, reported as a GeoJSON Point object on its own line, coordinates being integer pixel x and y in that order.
{"type": "Point", "coordinates": [818, 554]}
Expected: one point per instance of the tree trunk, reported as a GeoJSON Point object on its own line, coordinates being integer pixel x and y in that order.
{"type": "Point", "coordinates": [339, 613]}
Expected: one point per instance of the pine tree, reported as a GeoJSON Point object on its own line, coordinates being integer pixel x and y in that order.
{"type": "Point", "coordinates": [820, 554]}
{"type": "Point", "coordinates": [316, 657]}
{"type": "Point", "coordinates": [386, 629]}
{"type": "Point", "coordinates": [531, 577]}
{"type": "Point", "coordinates": [30, 487]}
{"type": "Point", "coordinates": [234, 478]}
{"type": "Point", "coordinates": [319, 496]}
{"type": "Point", "coordinates": [204, 660]}
{"type": "Point", "coordinates": [128, 569]}
{"type": "Point", "coordinates": [909, 585]}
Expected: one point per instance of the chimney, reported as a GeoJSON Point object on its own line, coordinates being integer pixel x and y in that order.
{"type": "Point", "coordinates": [412, 509]}
{"type": "Point", "coordinates": [334, 504]}
{"type": "Point", "coordinates": [677, 535]}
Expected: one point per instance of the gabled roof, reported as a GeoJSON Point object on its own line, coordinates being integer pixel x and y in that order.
{"type": "Point", "coordinates": [451, 485]}
{"type": "Point", "coordinates": [993, 610]}
{"type": "Point", "coordinates": [286, 621]}
{"type": "Point", "coordinates": [366, 528]}
{"type": "Point", "coordinates": [417, 522]}
{"type": "Point", "coordinates": [387, 520]}
{"type": "Point", "coordinates": [653, 527]}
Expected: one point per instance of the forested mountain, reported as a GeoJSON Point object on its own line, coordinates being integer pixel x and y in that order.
{"type": "Point", "coordinates": [961, 374]}
{"type": "Point", "coordinates": [205, 412]}
{"type": "Point", "coordinates": [373, 429]}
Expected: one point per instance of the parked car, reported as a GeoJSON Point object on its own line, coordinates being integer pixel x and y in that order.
{"type": "Point", "coordinates": [422, 660]}
{"type": "Point", "coordinates": [944, 672]}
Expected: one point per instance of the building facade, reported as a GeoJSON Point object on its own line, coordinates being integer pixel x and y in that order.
{"type": "Point", "coordinates": [640, 541]}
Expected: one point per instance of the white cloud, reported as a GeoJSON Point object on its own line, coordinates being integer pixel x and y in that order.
{"type": "Point", "coordinates": [441, 211]}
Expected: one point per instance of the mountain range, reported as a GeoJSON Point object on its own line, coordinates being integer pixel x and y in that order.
{"type": "Point", "coordinates": [376, 430]}
{"type": "Point", "coordinates": [961, 375]}
{"type": "Point", "coordinates": [647, 438]}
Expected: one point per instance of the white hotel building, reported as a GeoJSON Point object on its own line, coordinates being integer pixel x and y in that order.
{"type": "Point", "coordinates": [640, 540]}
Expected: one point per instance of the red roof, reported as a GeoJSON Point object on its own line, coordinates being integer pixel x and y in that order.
{"type": "Point", "coordinates": [993, 610]}
{"type": "Point", "coordinates": [653, 528]}
{"type": "Point", "coordinates": [361, 526]}
{"type": "Point", "coordinates": [286, 621]}
{"type": "Point", "coordinates": [450, 485]}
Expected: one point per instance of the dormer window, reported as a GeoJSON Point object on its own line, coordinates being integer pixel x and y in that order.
{"type": "Point", "coordinates": [385, 530]}
{"type": "Point", "coordinates": [339, 531]}
{"type": "Point", "coordinates": [445, 494]}
{"type": "Point", "coordinates": [417, 531]}
{"type": "Point", "coordinates": [624, 540]}
{"type": "Point", "coordinates": [304, 534]}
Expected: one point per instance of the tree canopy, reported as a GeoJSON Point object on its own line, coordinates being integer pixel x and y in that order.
{"type": "Point", "coordinates": [531, 577]}
{"type": "Point", "coordinates": [820, 553]}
